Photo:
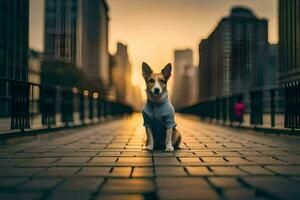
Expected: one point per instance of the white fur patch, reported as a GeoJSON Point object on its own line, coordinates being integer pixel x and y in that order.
{"type": "Point", "coordinates": [156, 85]}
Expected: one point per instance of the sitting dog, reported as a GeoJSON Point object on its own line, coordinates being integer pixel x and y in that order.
{"type": "Point", "coordinates": [158, 113]}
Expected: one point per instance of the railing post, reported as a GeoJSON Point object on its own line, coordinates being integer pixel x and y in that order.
{"type": "Point", "coordinates": [224, 109]}
{"type": "Point", "coordinates": [108, 108]}
{"type": "Point", "coordinates": [95, 109]}
{"type": "Point", "coordinates": [22, 102]}
{"type": "Point", "coordinates": [81, 107]}
{"type": "Point", "coordinates": [231, 111]}
{"type": "Point", "coordinates": [20, 118]}
{"type": "Point", "coordinates": [103, 109]}
{"type": "Point", "coordinates": [213, 109]}
{"type": "Point", "coordinates": [99, 108]}
{"type": "Point", "coordinates": [47, 105]}
{"type": "Point", "coordinates": [67, 106]}
{"type": "Point", "coordinates": [256, 107]}
{"type": "Point", "coordinates": [91, 109]}
{"type": "Point", "coordinates": [292, 106]}
{"type": "Point", "coordinates": [272, 107]}
{"type": "Point", "coordinates": [217, 109]}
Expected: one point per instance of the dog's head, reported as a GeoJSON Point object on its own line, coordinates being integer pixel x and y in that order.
{"type": "Point", "coordinates": [156, 82]}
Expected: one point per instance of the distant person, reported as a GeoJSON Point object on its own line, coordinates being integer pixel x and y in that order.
{"type": "Point", "coordinates": [239, 108]}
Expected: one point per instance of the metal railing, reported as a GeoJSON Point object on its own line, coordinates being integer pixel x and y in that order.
{"type": "Point", "coordinates": [271, 107]}
{"type": "Point", "coordinates": [26, 105]}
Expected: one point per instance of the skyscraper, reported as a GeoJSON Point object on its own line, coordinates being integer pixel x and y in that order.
{"type": "Point", "coordinates": [233, 56]}
{"type": "Point", "coordinates": [204, 70]}
{"type": "Point", "coordinates": [189, 94]}
{"type": "Point", "coordinates": [289, 40]}
{"type": "Point", "coordinates": [182, 60]}
{"type": "Point", "coordinates": [92, 39]}
{"type": "Point", "coordinates": [60, 29]}
{"type": "Point", "coordinates": [121, 73]}
{"type": "Point", "coordinates": [270, 74]}
{"type": "Point", "coordinates": [76, 31]}
{"type": "Point", "coordinates": [289, 59]}
{"type": "Point", "coordinates": [121, 84]}
{"type": "Point", "coordinates": [14, 23]}
{"type": "Point", "coordinates": [34, 68]}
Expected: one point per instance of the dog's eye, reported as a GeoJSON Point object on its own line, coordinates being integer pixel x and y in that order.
{"type": "Point", "coordinates": [162, 81]}
{"type": "Point", "coordinates": [151, 80]}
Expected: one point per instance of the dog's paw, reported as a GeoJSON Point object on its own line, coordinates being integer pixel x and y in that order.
{"type": "Point", "coordinates": [169, 148]}
{"type": "Point", "coordinates": [149, 147]}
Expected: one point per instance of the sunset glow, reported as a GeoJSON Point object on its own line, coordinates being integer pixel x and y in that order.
{"type": "Point", "coordinates": [153, 29]}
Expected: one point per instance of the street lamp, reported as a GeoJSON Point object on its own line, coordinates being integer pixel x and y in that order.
{"type": "Point", "coordinates": [75, 90]}
{"type": "Point", "coordinates": [95, 95]}
{"type": "Point", "coordinates": [86, 93]}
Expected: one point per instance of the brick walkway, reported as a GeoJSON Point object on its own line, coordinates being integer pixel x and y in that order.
{"type": "Point", "coordinates": [107, 162]}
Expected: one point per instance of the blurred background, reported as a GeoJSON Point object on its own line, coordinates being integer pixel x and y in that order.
{"type": "Point", "coordinates": [219, 50]}
{"type": "Point", "coordinates": [134, 31]}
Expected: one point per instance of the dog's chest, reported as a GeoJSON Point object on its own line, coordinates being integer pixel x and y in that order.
{"type": "Point", "coordinates": [154, 113]}
{"type": "Point", "coordinates": [160, 116]}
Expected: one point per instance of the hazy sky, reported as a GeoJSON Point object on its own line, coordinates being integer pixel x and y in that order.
{"type": "Point", "coordinates": [152, 29]}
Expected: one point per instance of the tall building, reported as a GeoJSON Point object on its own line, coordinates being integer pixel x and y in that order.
{"type": "Point", "coordinates": [270, 73]}
{"type": "Point", "coordinates": [121, 73]}
{"type": "Point", "coordinates": [289, 40]}
{"type": "Point", "coordinates": [14, 28]}
{"type": "Point", "coordinates": [121, 87]}
{"type": "Point", "coordinates": [190, 85]}
{"type": "Point", "coordinates": [232, 58]}
{"type": "Point", "coordinates": [60, 29]}
{"type": "Point", "coordinates": [182, 60]}
{"type": "Point", "coordinates": [34, 76]}
{"type": "Point", "coordinates": [204, 70]}
{"type": "Point", "coordinates": [92, 39]}
{"type": "Point", "coordinates": [14, 23]}
{"type": "Point", "coordinates": [289, 59]}
{"type": "Point", "coordinates": [35, 62]}
{"type": "Point", "coordinates": [76, 31]}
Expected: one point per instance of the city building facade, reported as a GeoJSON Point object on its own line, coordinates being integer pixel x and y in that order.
{"type": "Point", "coordinates": [60, 30]}
{"type": "Point", "coordinates": [92, 39]}
{"type": "Point", "coordinates": [190, 85]}
{"type": "Point", "coordinates": [121, 87]}
{"type": "Point", "coordinates": [271, 71]}
{"type": "Point", "coordinates": [232, 58]}
{"type": "Point", "coordinates": [35, 62]}
{"type": "Point", "coordinates": [289, 59]}
{"type": "Point", "coordinates": [204, 70]}
{"type": "Point", "coordinates": [76, 31]}
{"type": "Point", "coordinates": [183, 59]}
{"type": "Point", "coordinates": [14, 23]}
{"type": "Point", "coordinates": [121, 73]}
{"type": "Point", "coordinates": [289, 40]}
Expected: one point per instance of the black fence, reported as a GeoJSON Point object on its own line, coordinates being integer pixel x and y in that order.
{"type": "Point", "coordinates": [26, 105]}
{"type": "Point", "coordinates": [268, 107]}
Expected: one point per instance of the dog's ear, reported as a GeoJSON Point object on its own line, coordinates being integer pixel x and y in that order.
{"type": "Point", "coordinates": [166, 71]}
{"type": "Point", "coordinates": [146, 70]}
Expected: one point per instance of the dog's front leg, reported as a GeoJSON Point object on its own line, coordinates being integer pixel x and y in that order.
{"type": "Point", "coordinates": [169, 146]}
{"type": "Point", "coordinates": [150, 141]}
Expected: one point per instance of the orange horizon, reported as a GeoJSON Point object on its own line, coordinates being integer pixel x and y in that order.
{"type": "Point", "coordinates": [154, 29]}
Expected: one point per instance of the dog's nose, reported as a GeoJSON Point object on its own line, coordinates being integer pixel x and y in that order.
{"type": "Point", "coordinates": [156, 90]}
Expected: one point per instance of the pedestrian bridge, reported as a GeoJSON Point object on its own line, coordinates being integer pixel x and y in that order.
{"type": "Point", "coordinates": [108, 161]}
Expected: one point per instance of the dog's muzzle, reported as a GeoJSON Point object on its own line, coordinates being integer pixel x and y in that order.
{"type": "Point", "coordinates": [156, 90]}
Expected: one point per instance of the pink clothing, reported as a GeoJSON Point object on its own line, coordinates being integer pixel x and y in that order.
{"type": "Point", "coordinates": [239, 109]}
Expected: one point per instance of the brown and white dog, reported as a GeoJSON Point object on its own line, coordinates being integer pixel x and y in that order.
{"type": "Point", "coordinates": [158, 112]}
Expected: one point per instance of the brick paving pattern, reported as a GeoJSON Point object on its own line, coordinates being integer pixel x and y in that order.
{"type": "Point", "coordinates": [108, 161]}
